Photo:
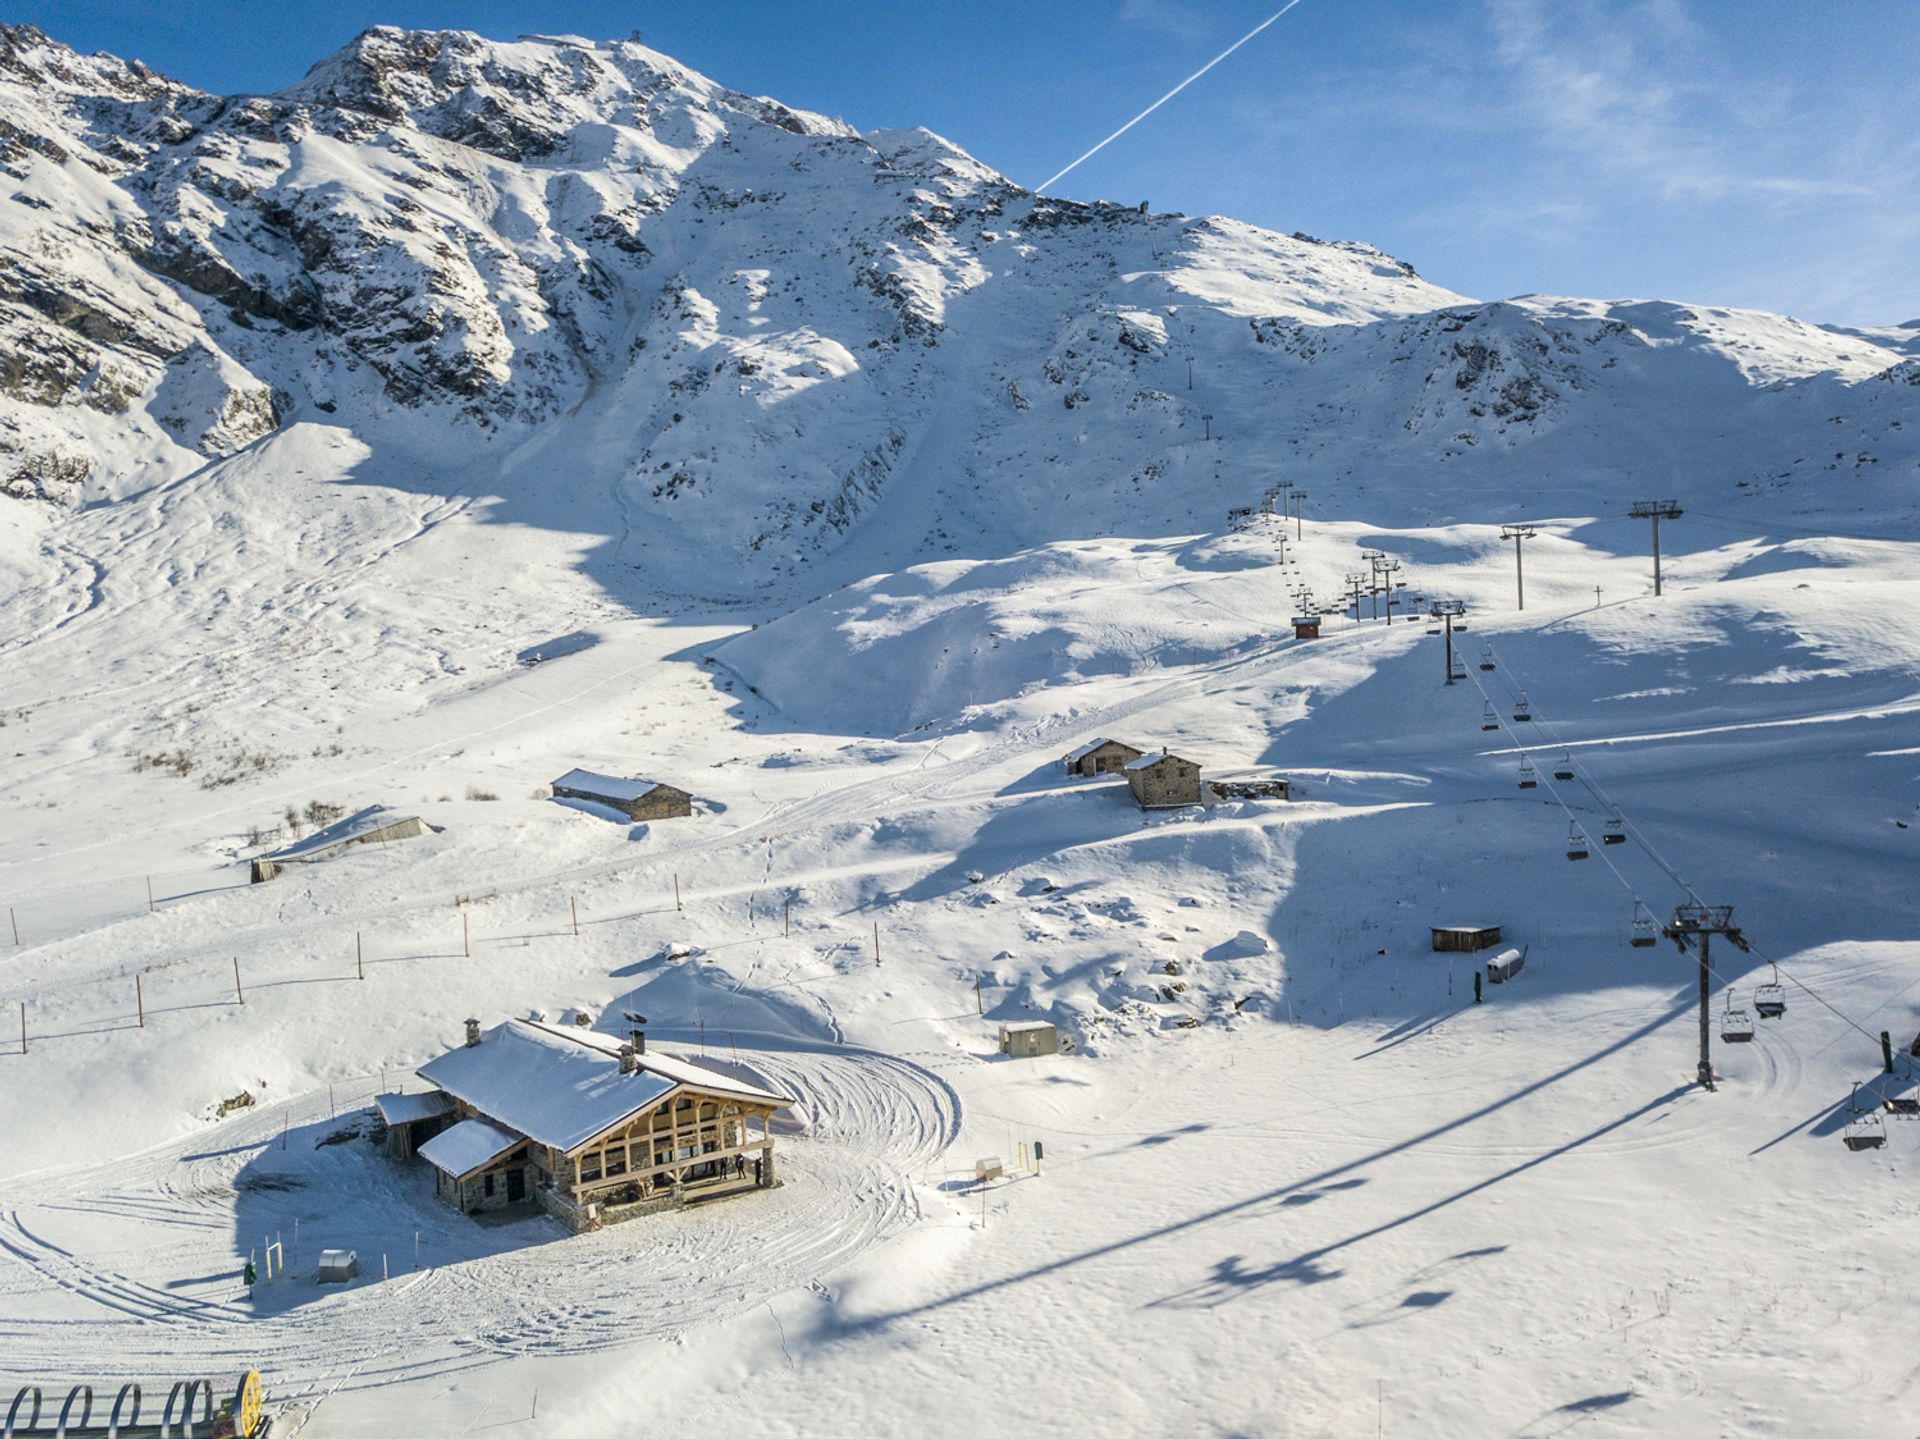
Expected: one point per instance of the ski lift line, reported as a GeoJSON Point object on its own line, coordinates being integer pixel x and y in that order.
{"type": "Point", "coordinates": [1042, 187]}
{"type": "Point", "coordinates": [1811, 993]}
{"type": "Point", "coordinates": [1553, 789]}
{"type": "Point", "coordinates": [1719, 978]}
{"type": "Point", "coordinates": [1593, 786]}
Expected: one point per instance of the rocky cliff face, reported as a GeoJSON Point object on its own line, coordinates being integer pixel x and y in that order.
{"type": "Point", "coordinates": [749, 322]}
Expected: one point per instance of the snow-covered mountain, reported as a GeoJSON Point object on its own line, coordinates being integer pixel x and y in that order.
{"type": "Point", "coordinates": [711, 327]}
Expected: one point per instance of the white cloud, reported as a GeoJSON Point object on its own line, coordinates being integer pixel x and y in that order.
{"type": "Point", "coordinates": [1166, 17]}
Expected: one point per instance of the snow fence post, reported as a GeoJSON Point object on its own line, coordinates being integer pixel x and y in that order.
{"type": "Point", "coordinates": [1476, 986]}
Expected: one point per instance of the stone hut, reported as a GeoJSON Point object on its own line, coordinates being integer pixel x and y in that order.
{"type": "Point", "coordinates": [592, 1129]}
{"type": "Point", "coordinates": [1163, 781]}
{"type": "Point", "coordinates": [1100, 756]}
{"type": "Point", "coordinates": [1464, 938]}
{"type": "Point", "coordinates": [637, 799]}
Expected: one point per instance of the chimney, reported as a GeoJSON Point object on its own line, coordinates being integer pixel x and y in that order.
{"type": "Point", "coordinates": [629, 1060]}
{"type": "Point", "coordinates": [473, 1033]}
{"type": "Point", "coordinates": [639, 1040]}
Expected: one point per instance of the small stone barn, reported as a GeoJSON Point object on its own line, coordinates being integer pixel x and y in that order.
{"type": "Point", "coordinates": [373, 825]}
{"type": "Point", "coordinates": [1163, 781]}
{"type": "Point", "coordinates": [1464, 938]}
{"type": "Point", "coordinates": [637, 799]}
{"type": "Point", "coordinates": [592, 1129]}
{"type": "Point", "coordinates": [1100, 756]}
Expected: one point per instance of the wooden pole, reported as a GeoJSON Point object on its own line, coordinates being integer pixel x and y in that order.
{"type": "Point", "coordinates": [140, 1000]}
{"type": "Point", "coordinates": [466, 936]}
{"type": "Point", "coordinates": [573, 905]}
{"type": "Point", "coordinates": [239, 994]}
{"type": "Point", "coordinates": [978, 1002]}
{"type": "Point", "coordinates": [149, 894]}
{"type": "Point", "coordinates": [786, 919]}
{"type": "Point", "coordinates": [14, 920]}
{"type": "Point", "coordinates": [876, 942]}
{"type": "Point", "coordinates": [23, 1026]}
{"type": "Point", "coordinates": [359, 956]}
{"type": "Point", "coordinates": [676, 891]}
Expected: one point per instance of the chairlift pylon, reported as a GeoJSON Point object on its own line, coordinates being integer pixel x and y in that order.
{"type": "Point", "coordinates": [1529, 778]}
{"type": "Point", "coordinates": [1866, 1130]}
{"type": "Point", "coordinates": [1770, 1000]}
{"type": "Point", "coordinates": [1576, 842]}
{"type": "Point", "coordinates": [1736, 1025]}
{"type": "Point", "coordinates": [1645, 931]}
{"type": "Point", "coordinates": [1522, 711]}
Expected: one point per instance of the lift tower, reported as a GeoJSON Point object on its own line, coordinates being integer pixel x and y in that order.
{"type": "Point", "coordinates": [1655, 510]}
{"type": "Point", "coordinates": [1698, 923]}
{"type": "Point", "coordinates": [1446, 610]}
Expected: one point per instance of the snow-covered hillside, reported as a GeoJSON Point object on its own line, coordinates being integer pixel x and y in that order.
{"type": "Point", "coordinates": [473, 411]}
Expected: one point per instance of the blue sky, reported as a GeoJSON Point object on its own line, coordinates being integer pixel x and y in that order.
{"type": "Point", "coordinates": [1761, 154]}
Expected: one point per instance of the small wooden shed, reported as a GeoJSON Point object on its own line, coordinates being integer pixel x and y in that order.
{"type": "Point", "coordinates": [1101, 756]}
{"type": "Point", "coordinates": [1028, 1038]}
{"type": "Point", "coordinates": [413, 1119]}
{"type": "Point", "coordinates": [1306, 627]}
{"type": "Point", "coordinates": [1464, 938]}
{"type": "Point", "coordinates": [373, 825]}
{"type": "Point", "coordinates": [637, 799]}
{"type": "Point", "coordinates": [1163, 781]}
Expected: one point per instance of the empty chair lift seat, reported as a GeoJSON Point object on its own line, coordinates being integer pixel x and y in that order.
{"type": "Point", "coordinates": [336, 1266]}
{"type": "Point", "coordinates": [1028, 1038]}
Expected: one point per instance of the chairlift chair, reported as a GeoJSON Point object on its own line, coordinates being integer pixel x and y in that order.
{"type": "Point", "coordinates": [1866, 1130]}
{"type": "Point", "coordinates": [1736, 1025]}
{"type": "Point", "coordinates": [1576, 842]}
{"type": "Point", "coordinates": [1489, 720]}
{"type": "Point", "coordinates": [1770, 1000]}
{"type": "Point", "coordinates": [1563, 768]}
{"type": "Point", "coordinates": [1486, 657]}
{"type": "Point", "coordinates": [1522, 711]}
{"type": "Point", "coordinates": [1615, 832]}
{"type": "Point", "coordinates": [1459, 625]}
{"type": "Point", "coordinates": [1904, 1106]}
{"type": "Point", "coordinates": [1529, 778]}
{"type": "Point", "coordinates": [1459, 670]}
{"type": "Point", "coordinates": [1645, 932]}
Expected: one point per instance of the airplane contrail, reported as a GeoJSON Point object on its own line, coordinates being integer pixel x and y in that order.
{"type": "Point", "coordinates": [1040, 188]}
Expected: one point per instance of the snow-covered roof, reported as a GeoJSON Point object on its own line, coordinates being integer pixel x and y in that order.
{"type": "Point", "coordinates": [468, 1145]}
{"type": "Point", "coordinates": [342, 832]}
{"type": "Point", "coordinates": [1093, 744]}
{"type": "Point", "coordinates": [1148, 761]}
{"type": "Point", "coordinates": [1025, 1026]}
{"type": "Point", "coordinates": [406, 1108]}
{"type": "Point", "coordinates": [606, 785]}
{"type": "Point", "coordinates": [563, 1087]}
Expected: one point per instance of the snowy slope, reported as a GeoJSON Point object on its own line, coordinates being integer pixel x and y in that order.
{"type": "Point", "coordinates": [842, 482]}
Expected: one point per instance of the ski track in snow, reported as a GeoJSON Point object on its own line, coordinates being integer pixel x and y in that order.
{"type": "Point", "coordinates": [851, 1150]}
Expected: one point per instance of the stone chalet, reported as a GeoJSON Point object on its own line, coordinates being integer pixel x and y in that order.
{"type": "Point", "coordinates": [1164, 781]}
{"type": "Point", "coordinates": [592, 1129]}
{"type": "Point", "coordinates": [637, 799]}
{"type": "Point", "coordinates": [1100, 756]}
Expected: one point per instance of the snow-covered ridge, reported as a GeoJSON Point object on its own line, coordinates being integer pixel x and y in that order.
{"type": "Point", "coordinates": [753, 331]}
